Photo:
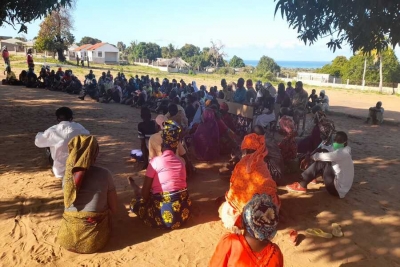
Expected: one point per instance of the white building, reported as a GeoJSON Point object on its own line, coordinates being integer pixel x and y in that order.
{"type": "Point", "coordinates": [81, 51]}
{"type": "Point", "coordinates": [99, 53]}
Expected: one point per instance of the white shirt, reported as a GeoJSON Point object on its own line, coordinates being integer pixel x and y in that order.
{"type": "Point", "coordinates": [57, 138]}
{"type": "Point", "coordinates": [342, 164]}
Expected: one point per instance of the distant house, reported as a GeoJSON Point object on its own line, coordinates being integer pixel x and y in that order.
{"type": "Point", "coordinates": [320, 77]}
{"type": "Point", "coordinates": [99, 53]}
{"type": "Point", "coordinates": [16, 45]}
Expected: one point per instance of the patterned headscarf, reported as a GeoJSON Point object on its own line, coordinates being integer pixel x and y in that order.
{"type": "Point", "coordinates": [260, 217]}
{"type": "Point", "coordinates": [287, 126]}
{"type": "Point", "coordinates": [170, 134]}
{"type": "Point", "coordinates": [325, 125]}
{"type": "Point", "coordinates": [82, 152]}
{"type": "Point", "coordinates": [255, 142]}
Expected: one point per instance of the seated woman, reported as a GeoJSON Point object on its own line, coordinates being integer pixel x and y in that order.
{"type": "Point", "coordinates": [288, 145]}
{"type": "Point", "coordinates": [163, 201]}
{"type": "Point", "coordinates": [11, 79]}
{"type": "Point", "coordinates": [89, 198]}
{"type": "Point", "coordinates": [260, 219]}
{"type": "Point", "coordinates": [226, 116]}
{"type": "Point", "coordinates": [376, 114]}
{"type": "Point", "coordinates": [250, 176]}
{"type": "Point", "coordinates": [206, 138]}
{"type": "Point", "coordinates": [322, 131]}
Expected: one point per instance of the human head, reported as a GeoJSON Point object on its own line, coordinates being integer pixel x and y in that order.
{"type": "Point", "coordinates": [313, 91]}
{"type": "Point", "coordinates": [170, 135]}
{"type": "Point", "coordinates": [286, 124]}
{"type": "Point", "coordinates": [223, 107]}
{"type": "Point", "coordinates": [289, 84]}
{"type": "Point", "coordinates": [30, 51]}
{"type": "Point", "coordinates": [252, 143]}
{"type": "Point", "coordinates": [258, 130]}
{"type": "Point", "coordinates": [91, 71]}
{"type": "Point", "coordinates": [281, 89]}
{"type": "Point", "coordinates": [60, 69]}
{"type": "Point", "coordinates": [379, 104]}
{"type": "Point", "coordinates": [260, 217]}
{"type": "Point", "coordinates": [322, 93]}
{"type": "Point", "coordinates": [145, 114]}
{"type": "Point", "coordinates": [64, 114]}
{"type": "Point", "coordinates": [223, 83]}
{"type": "Point", "coordinates": [173, 109]}
{"type": "Point", "coordinates": [341, 138]}
{"type": "Point", "coordinates": [103, 74]}
{"type": "Point", "coordinates": [249, 83]}
{"type": "Point", "coordinates": [299, 86]}
{"type": "Point", "coordinates": [160, 119]}
{"type": "Point", "coordinates": [240, 83]}
{"type": "Point", "coordinates": [176, 100]}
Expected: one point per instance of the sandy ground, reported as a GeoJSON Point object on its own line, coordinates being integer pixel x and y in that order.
{"type": "Point", "coordinates": [31, 202]}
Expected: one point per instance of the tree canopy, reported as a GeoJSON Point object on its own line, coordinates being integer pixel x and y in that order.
{"type": "Point", "coordinates": [364, 25]}
{"type": "Point", "coordinates": [150, 51]}
{"type": "Point", "coordinates": [21, 12]}
{"type": "Point", "coordinates": [236, 62]}
{"type": "Point", "coordinates": [335, 68]}
{"type": "Point", "coordinates": [55, 33]}
{"type": "Point", "coordinates": [188, 50]}
{"type": "Point", "coordinates": [89, 40]}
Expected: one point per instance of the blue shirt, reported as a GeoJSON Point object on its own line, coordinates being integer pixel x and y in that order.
{"type": "Point", "coordinates": [240, 95]}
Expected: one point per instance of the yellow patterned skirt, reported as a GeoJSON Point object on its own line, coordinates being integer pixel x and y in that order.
{"type": "Point", "coordinates": [167, 210]}
{"type": "Point", "coordinates": [84, 232]}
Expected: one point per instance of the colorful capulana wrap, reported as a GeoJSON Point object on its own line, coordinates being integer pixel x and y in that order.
{"type": "Point", "coordinates": [170, 134]}
{"type": "Point", "coordinates": [260, 217]}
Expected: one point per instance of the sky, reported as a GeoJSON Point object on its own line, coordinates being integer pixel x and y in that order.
{"type": "Point", "coordinates": [248, 29]}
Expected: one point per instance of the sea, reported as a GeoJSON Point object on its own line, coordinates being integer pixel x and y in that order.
{"type": "Point", "coordinates": [292, 64]}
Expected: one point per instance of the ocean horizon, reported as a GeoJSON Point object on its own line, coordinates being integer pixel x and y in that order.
{"type": "Point", "coordinates": [292, 64]}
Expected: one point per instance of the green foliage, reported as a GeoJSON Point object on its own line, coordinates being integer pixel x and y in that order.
{"type": "Point", "coordinates": [236, 62]}
{"type": "Point", "coordinates": [168, 51]}
{"type": "Point", "coordinates": [55, 33]}
{"type": "Point", "coordinates": [364, 25]}
{"type": "Point", "coordinates": [15, 12]}
{"type": "Point", "coordinates": [267, 67]}
{"type": "Point", "coordinates": [188, 50]}
{"type": "Point", "coordinates": [192, 73]}
{"type": "Point", "coordinates": [89, 40]}
{"type": "Point", "coordinates": [226, 71]}
{"type": "Point", "coordinates": [150, 51]}
{"type": "Point", "coordinates": [335, 68]}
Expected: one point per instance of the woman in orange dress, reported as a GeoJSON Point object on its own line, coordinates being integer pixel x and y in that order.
{"type": "Point", "coordinates": [250, 176]}
{"type": "Point", "coordinates": [260, 218]}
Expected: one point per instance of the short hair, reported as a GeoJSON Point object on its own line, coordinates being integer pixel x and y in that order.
{"type": "Point", "coordinates": [259, 130]}
{"type": "Point", "coordinates": [300, 83]}
{"type": "Point", "coordinates": [145, 113]}
{"type": "Point", "coordinates": [249, 82]}
{"type": "Point", "coordinates": [289, 83]}
{"type": "Point", "coordinates": [173, 109]}
{"type": "Point", "coordinates": [343, 135]}
{"type": "Point", "coordinates": [176, 100]}
{"type": "Point", "coordinates": [241, 81]}
{"type": "Point", "coordinates": [64, 114]}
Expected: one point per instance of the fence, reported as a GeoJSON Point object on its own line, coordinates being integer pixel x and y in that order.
{"type": "Point", "coordinates": [155, 64]}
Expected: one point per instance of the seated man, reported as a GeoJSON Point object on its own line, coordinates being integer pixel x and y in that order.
{"type": "Point", "coordinates": [298, 104]}
{"type": "Point", "coordinates": [31, 79]}
{"type": "Point", "coordinates": [90, 76]}
{"type": "Point", "coordinates": [146, 129]}
{"type": "Point", "coordinates": [323, 101]}
{"type": "Point", "coordinates": [57, 137]}
{"type": "Point", "coordinates": [376, 114]}
{"type": "Point", "coordinates": [10, 79]}
{"type": "Point", "coordinates": [335, 166]}
{"type": "Point", "coordinates": [312, 99]}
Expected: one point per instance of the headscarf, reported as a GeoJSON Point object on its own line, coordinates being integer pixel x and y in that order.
{"type": "Point", "coordinates": [260, 217]}
{"type": "Point", "coordinates": [224, 106]}
{"type": "Point", "coordinates": [170, 134]}
{"type": "Point", "coordinates": [160, 119]}
{"type": "Point", "coordinates": [287, 126]}
{"type": "Point", "coordinates": [325, 125]}
{"type": "Point", "coordinates": [255, 142]}
{"type": "Point", "coordinates": [82, 152]}
{"type": "Point", "coordinates": [196, 89]}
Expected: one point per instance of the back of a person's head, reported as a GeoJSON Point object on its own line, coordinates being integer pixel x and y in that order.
{"type": "Point", "coordinates": [173, 109]}
{"type": "Point", "coordinates": [281, 88]}
{"type": "Point", "coordinates": [289, 83]}
{"type": "Point", "coordinates": [259, 130]}
{"type": "Point", "coordinates": [379, 104]}
{"type": "Point", "coordinates": [240, 82]}
{"type": "Point", "coordinates": [64, 114]}
{"type": "Point", "coordinates": [176, 100]}
{"type": "Point", "coordinates": [342, 135]}
{"type": "Point", "coordinates": [249, 83]}
{"type": "Point", "coordinates": [145, 114]}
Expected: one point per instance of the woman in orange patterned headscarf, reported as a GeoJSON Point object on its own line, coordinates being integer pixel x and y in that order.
{"type": "Point", "coordinates": [250, 176]}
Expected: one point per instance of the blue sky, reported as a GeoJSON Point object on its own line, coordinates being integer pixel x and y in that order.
{"type": "Point", "coordinates": [247, 28]}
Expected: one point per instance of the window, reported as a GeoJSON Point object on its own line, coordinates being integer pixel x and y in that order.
{"type": "Point", "coordinates": [99, 54]}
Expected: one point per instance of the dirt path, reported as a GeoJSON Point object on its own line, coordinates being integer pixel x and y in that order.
{"type": "Point", "coordinates": [31, 199]}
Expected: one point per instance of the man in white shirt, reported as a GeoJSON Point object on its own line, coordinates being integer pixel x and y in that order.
{"type": "Point", "coordinates": [335, 166]}
{"type": "Point", "coordinates": [57, 137]}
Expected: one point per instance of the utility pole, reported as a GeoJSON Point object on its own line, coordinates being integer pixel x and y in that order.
{"type": "Point", "coordinates": [365, 70]}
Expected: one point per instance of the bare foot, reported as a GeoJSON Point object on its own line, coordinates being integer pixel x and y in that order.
{"type": "Point", "coordinates": [135, 187]}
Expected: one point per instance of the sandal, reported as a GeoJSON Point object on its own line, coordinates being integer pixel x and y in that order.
{"type": "Point", "coordinates": [318, 232]}
{"type": "Point", "coordinates": [336, 230]}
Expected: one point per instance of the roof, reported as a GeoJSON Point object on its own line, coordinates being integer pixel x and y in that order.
{"type": "Point", "coordinates": [13, 41]}
{"type": "Point", "coordinates": [95, 46]}
{"type": "Point", "coordinates": [83, 47]}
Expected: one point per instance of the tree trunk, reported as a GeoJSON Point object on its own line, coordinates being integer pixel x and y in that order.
{"type": "Point", "coordinates": [380, 73]}
{"type": "Point", "coordinates": [60, 53]}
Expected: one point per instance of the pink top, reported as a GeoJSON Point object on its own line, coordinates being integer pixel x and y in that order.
{"type": "Point", "coordinates": [168, 172]}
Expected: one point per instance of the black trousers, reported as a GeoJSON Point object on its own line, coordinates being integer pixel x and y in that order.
{"type": "Point", "coordinates": [320, 168]}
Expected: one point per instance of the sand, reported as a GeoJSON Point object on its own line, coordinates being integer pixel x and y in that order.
{"type": "Point", "coordinates": [31, 201]}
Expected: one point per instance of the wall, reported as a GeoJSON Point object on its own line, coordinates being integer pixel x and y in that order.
{"type": "Point", "coordinates": [385, 90]}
